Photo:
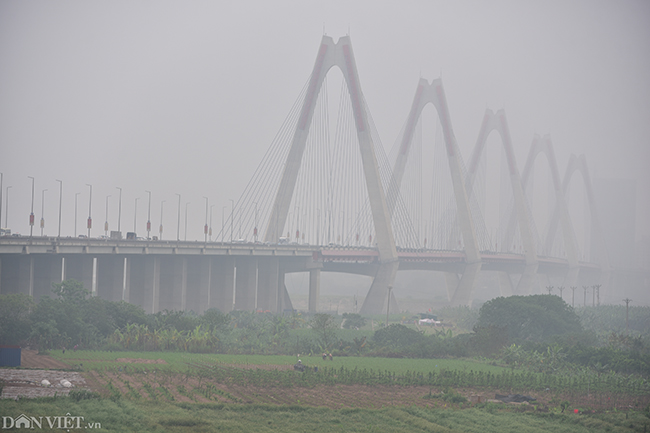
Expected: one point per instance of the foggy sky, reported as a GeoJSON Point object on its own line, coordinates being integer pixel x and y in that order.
{"type": "Point", "coordinates": [185, 97]}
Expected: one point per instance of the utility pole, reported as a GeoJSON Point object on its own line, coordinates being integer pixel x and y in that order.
{"type": "Point", "coordinates": [573, 296]}
{"type": "Point", "coordinates": [550, 289]}
{"type": "Point", "coordinates": [561, 289]}
{"type": "Point", "coordinates": [627, 314]}
{"type": "Point", "coordinates": [584, 300]}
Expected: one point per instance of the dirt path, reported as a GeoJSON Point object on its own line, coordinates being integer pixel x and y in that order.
{"type": "Point", "coordinates": [31, 359]}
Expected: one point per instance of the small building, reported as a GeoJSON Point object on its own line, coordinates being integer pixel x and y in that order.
{"type": "Point", "coordinates": [9, 356]}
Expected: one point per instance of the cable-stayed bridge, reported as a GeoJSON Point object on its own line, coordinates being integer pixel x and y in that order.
{"type": "Point", "coordinates": [326, 197]}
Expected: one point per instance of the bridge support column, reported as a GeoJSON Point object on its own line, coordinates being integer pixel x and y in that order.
{"type": "Point", "coordinates": [246, 283]}
{"type": "Point", "coordinates": [144, 282]}
{"type": "Point", "coordinates": [80, 268]}
{"type": "Point", "coordinates": [284, 301]}
{"type": "Point", "coordinates": [47, 270]}
{"type": "Point", "coordinates": [378, 293]}
{"type": "Point", "coordinates": [527, 280]}
{"type": "Point", "coordinates": [198, 283]}
{"type": "Point", "coordinates": [268, 283]}
{"type": "Point", "coordinates": [314, 289]}
{"type": "Point", "coordinates": [173, 283]}
{"type": "Point", "coordinates": [17, 274]}
{"type": "Point", "coordinates": [505, 284]}
{"type": "Point", "coordinates": [464, 292]}
{"type": "Point", "coordinates": [222, 283]}
{"type": "Point", "coordinates": [110, 277]}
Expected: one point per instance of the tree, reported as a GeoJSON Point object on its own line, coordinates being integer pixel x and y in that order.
{"type": "Point", "coordinates": [15, 322]}
{"type": "Point", "coordinates": [533, 318]}
{"type": "Point", "coordinates": [353, 321]}
{"type": "Point", "coordinates": [70, 291]}
{"type": "Point", "coordinates": [324, 326]}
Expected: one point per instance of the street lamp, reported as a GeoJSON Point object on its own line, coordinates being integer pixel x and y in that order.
{"type": "Point", "coordinates": [119, 213]}
{"type": "Point", "coordinates": [205, 227]}
{"type": "Point", "coordinates": [135, 216]}
{"type": "Point", "coordinates": [161, 220]}
{"type": "Point", "coordinates": [31, 215]}
{"type": "Point", "coordinates": [210, 231]}
{"type": "Point", "coordinates": [6, 206]}
{"type": "Point", "coordinates": [90, 209]}
{"type": "Point", "coordinates": [106, 221]}
{"type": "Point", "coordinates": [42, 210]}
{"type": "Point", "coordinates": [186, 204]}
{"type": "Point", "coordinates": [60, 202]}
{"type": "Point", "coordinates": [76, 194]}
{"type": "Point", "coordinates": [178, 225]}
{"type": "Point", "coordinates": [149, 216]}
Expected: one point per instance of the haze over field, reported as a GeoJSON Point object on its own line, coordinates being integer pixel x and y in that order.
{"type": "Point", "coordinates": [186, 97]}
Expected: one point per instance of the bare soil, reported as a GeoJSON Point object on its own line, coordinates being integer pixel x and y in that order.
{"type": "Point", "coordinates": [31, 359]}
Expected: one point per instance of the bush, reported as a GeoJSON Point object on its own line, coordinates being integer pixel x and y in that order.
{"type": "Point", "coordinates": [533, 318]}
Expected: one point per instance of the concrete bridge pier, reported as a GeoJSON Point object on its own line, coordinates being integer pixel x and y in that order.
{"type": "Point", "coordinates": [17, 274]}
{"type": "Point", "coordinates": [199, 273]}
{"type": "Point", "coordinates": [47, 271]}
{"type": "Point", "coordinates": [268, 284]}
{"type": "Point", "coordinates": [172, 283]}
{"type": "Point", "coordinates": [144, 282]}
{"type": "Point", "coordinates": [245, 283]}
{"type": "Point", "coordinates": [222, 282]}
{"type": "Point", "coordinates": [314, 290]}
{"type": "Point", "coordinates": [80, 268]}
{"type": "Point", "coordinates": [110, 277]}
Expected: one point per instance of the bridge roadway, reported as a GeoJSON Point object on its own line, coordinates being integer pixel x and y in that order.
{"type": "Point", "coordinates": [173, 275]}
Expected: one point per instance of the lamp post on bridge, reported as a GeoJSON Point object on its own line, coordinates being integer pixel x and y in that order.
{"type": "Point", "coordinates": [210, 231]}
{"type": "Point", "coordinates": [185, 236]}
{"type": "Point", "coordinates": [106, 221]}
{"type": "Point", "coordinates": [119, 213]}
{"type": "Point", "coordinates": [60, 203]}
{"type": "Point", "coordinates": [90, 209]}
{"type": "Point", "coordinates": [6, 206]}
{"type": "Point", "coordinates": [135, 216]}
{"type": "Point", "coordinates": [31, 215]}
{"type": "Point", "coordinates": [42, 210]}
{"type": "Point", "coordinates": [149, 216]}
{"type": "Point", "coordinates": [205, 227]}
{"type": "Point", "coordinates": [161, 220]}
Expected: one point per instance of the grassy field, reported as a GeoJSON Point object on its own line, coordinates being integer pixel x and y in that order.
{"type": "Point", "coordinates": [93, 360]}
{"type": "Point", "coordinates": [243, 393]}
{"type": "Point", "coordinates": [146, 416]}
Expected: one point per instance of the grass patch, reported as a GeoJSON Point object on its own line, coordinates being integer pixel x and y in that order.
{"type": "Point", "coordinates": [147, 416]}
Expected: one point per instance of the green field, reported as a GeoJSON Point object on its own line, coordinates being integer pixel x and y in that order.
{"type": "Point", "coordinates": [130, 416]}
{"type": "Point", "coordinates": [179, 361]}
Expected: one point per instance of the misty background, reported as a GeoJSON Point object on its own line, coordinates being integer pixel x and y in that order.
{"type": "Point", "coordinates": [186, 97]}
